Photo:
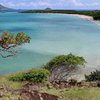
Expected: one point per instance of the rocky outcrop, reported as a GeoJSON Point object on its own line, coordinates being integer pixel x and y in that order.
{"type": "Point", "coordinates": [2, 91]}
{"type": "Point", "coordinates": [66, 84]}
{"type": "Point", "coordinates": [30, 92]}
{"type": "Point", "coordinates": [35, 95]}
{"type": "Point", "coordinates": [31, 86]}
{"type": "Point", "coordinates": [98, 84]}
{"type": "Point", "coordinates": [46, 96]}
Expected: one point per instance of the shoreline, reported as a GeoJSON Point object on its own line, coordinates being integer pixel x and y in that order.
{"type": "Point", "coordinates": [85, 17]}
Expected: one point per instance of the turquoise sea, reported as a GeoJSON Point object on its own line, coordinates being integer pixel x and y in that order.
{"type": "Point", "coordinates": [52, 34]}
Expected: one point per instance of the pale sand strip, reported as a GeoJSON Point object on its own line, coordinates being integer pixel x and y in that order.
{"type": "Point", "coordinates": [89, 18]}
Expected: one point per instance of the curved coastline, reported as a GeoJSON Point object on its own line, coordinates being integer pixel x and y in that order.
{"type": "Point", "coordinates": [89, 18]}
{"type": "Point", "coordinates": [85, 17]}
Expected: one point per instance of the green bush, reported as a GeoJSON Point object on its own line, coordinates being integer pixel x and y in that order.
{"type": "Point", "coordinates": [35, 75]}
{"type": "Point", "coordinates": [94, 76]}
{"type": "Point", "coordinates": [69, 59]}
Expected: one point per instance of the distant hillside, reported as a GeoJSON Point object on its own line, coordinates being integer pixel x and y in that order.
{"type": "Point", "coordinates": [4, 8]}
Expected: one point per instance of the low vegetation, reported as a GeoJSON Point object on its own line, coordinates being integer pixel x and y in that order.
{"type": "Point", "coordinates": [35, 75]}
{"type": "Point", "coordinates": [75, 93]}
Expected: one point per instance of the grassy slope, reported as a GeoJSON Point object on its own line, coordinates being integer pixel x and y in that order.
{"type": "Point", "coordinates": [11, 84]}
{"type": "Point", "coordinates": [76, 93]}
{"type": "Point", "coordinates": [65, 94]}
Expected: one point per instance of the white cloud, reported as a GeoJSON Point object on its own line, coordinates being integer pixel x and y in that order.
{"type": "Point", "coordinates": [93, 4]}
{"type": "Point", "coordinates": [77, 3]}
{"type": "Point", "coordinates": [35, 4]}
{"type": "Point", "coordinates": [41, 3]}
{"type": "Point", "coordinates": [25, 4]}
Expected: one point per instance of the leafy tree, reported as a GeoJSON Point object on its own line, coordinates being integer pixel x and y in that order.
{"type": "Point", "coordinates": [64, 65]}
{"type": "Point", "coordinates": [9, 42]}
{"type": "Point", "coordinates": [61, 60]}
{"type": "Point", "coordinates": [96, 15]}
{"type": "Point", "coordinates": [94, 76]}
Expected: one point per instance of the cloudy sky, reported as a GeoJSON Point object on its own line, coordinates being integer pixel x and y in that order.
{"type": "Point", "coordinates": [54, 4]}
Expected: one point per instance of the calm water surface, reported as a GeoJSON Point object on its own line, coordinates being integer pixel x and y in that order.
{"type": "Point", "coordinates": [52, 34]}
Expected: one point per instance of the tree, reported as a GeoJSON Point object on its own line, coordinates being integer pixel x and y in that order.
{"type": "Point", "coordinates": [9, 42]}
{"type": "Point", "coordinates": [63, 66]}
{"type": "Point", "coordinates": [96, 15]}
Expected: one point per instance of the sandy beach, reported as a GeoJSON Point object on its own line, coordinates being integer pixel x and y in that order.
{"type": "Point", "coordinates": [89, 18]}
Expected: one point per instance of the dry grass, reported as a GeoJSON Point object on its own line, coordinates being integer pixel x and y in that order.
{"type": "Point", "coordinates": [75, 93]}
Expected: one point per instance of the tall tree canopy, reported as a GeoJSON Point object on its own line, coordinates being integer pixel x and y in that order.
{"type": "Point", "coordinates": [64, 65]}
{"type": "Point", "coordinates": [61, 60]}
{"type": "Point", "coordinates": [9, 42]}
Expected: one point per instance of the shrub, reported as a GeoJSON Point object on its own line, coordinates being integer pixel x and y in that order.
{"type": "Point", "coordinates": [35, 75]}
{"type": "Point", "coordinates": [94, 76]}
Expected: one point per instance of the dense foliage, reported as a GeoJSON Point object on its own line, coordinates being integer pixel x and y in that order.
{"type": "Point", "coordinates": [9, 41]}
{"type": "Point", "coordinates": [94, 13]}
{"type": "Point", "coordinates": [35, 75]}
{"type": "Point", "coordinates": [62, 60]}
{"type": "Point", "coordinates": [94, 76]}
{"type": "Point", "coordinates": [49, 11]}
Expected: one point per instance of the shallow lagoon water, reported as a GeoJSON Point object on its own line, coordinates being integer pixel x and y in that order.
{"type": "Point", "coordinates": [52, 34]}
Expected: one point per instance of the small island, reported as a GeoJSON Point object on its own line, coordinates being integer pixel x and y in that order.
{"type": "Point", "coordinates": [48, 9]}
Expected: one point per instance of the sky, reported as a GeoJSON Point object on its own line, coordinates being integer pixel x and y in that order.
{"type": "Point", "coordinates": [54, 4]}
